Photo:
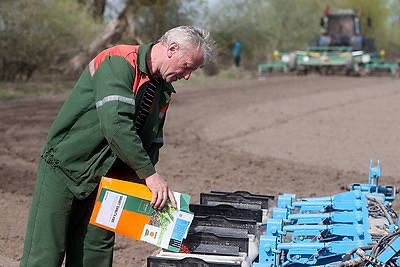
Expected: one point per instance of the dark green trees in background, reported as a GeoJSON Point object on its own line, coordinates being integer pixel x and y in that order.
{"type": "Point", "coordinates": [39, 35]}
{"type": "Point", "coordinates": [47, 36]}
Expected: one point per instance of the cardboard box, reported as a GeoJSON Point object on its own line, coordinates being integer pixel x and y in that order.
{"type": "Point", "coordinates": [124, 207]}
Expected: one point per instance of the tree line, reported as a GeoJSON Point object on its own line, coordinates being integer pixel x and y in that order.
{"type": "Point", "coordinates": [57, 36]}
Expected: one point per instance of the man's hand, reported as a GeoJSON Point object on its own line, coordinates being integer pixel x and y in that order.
{"type": "Point", "coordinates": [160, 191]}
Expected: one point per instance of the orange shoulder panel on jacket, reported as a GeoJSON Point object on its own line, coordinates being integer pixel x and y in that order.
{"type": "Point", "coordinates": [129, 52]}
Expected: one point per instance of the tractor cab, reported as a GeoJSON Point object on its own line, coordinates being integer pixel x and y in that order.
{"type": "Point", "coordinates": [341, 28]}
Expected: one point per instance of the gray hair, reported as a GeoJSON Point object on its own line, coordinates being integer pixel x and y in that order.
{"type": "Point", "coordinates": [197, 37]}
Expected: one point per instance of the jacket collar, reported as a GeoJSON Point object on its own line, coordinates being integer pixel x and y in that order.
{"type": "Point", "coordinates": [142, 65]}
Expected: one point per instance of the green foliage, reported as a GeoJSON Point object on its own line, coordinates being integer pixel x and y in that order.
{"type": "Point", "coordinates": [294, 23]}
{"type": "Point", "coordinates": [158, 16]}
{"type": "Point", "coordinates": [37, 35]}
{"type": "Point", "coordinates": [264, 26]}
{"type": "Point", "coordinates": [393, 41]}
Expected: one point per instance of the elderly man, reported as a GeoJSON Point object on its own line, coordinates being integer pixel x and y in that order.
{"type": "Point", "coordinates": [111, 125]}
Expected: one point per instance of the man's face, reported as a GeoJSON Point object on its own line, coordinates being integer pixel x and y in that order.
{"type": "Point", "coordinates": [180, 62]}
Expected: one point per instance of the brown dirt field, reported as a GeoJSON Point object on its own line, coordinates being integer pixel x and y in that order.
{"type": "Point", "coordinates": [307, 135]}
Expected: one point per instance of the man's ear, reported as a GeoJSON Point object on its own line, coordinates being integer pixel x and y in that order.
{"type": "Point", "coordinates": [172, 48]}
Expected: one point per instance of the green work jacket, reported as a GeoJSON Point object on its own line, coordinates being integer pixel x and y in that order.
{"type": "Point", "coordinates": [96, 125]}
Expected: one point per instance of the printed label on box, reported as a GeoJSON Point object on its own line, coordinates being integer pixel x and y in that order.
{"type": "Point", "coordinates": [111, 209]}
{"type": "Point", "coordinates": [167, 227]}
{"type": "Point", "coordinates": [151, 234]}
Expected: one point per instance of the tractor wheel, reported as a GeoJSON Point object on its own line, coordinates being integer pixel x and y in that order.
{"type": "Point", "coordinates": [349, 64]}
{"type": "Point", "coordinates": [396, 72]}
{"type": "Point", "coordinates": [292, 61]}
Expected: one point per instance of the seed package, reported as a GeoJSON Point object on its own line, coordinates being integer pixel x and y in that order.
{"type": "Point", "coordinates": [124, 207]}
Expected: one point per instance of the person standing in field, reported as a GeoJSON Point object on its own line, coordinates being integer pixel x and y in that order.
{"type": "Point", "coordinates": [237, 53]}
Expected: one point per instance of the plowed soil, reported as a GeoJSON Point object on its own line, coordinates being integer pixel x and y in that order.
{"type": "Point", "coordinates": [310, 135]}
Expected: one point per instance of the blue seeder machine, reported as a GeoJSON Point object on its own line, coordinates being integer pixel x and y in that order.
{"type": "Point", "coordinates": [355, 228]}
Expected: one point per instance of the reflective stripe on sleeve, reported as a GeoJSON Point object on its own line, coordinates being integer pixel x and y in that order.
{"type": "Point", "coordinates": [115, 98]}
{"type": "Point", "coordinates": [91, 68]}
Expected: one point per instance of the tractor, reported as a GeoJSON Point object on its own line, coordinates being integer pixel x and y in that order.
{"type": "Point", "coordinates": [341, 47]}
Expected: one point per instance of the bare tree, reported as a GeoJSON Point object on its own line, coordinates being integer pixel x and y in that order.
{"type": "Point", "coordinates": [113, 31]}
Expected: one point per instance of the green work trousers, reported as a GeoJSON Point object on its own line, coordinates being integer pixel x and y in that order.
{"type": "Point", "coordinates": [58, 227]}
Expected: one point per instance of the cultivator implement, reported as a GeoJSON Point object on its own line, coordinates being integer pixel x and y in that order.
{"type": "Point", "coordinates": [354, 228]}
{"type": "Point", "coordinates": [284, 63]}
{"type": "Point", "coordinates": [328, 60]}
{"type": "Point", "coordinates": [374, 64]}
{"type": "Point", "coordinates": [325, 59]}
